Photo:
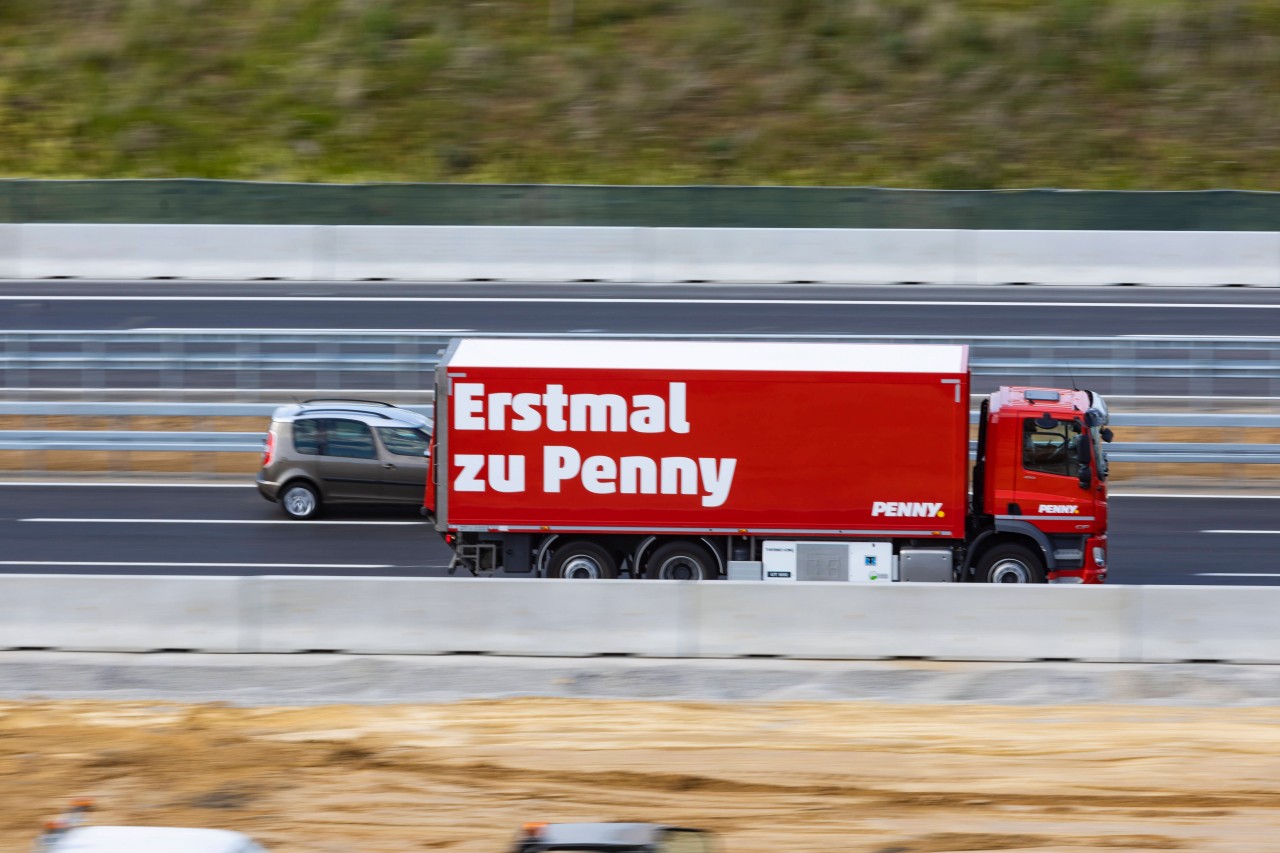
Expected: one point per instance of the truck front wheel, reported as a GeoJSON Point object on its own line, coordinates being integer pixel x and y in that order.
{"type": "Point", "coordinates": [1011, 564]}
{"type": "Point", "coordinates": [583, 560]}
{"type": "Point", "coordinates": [680, 561]}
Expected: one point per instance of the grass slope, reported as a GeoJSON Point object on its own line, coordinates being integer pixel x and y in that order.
{"type": "Point", "coordinates": [1118, 94]}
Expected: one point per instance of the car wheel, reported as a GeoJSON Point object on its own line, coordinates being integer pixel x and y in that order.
{"type": "Point", "coordinates": [1011, 564]}
{"type": "Point", "coordinates": [300, 501]}
{"type": "Point", "coordinates": [582, 560]}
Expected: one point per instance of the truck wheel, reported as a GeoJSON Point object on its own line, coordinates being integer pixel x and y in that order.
{"type": "Point", "coordinates": [583, 560]}
{"type": "Point", "coordinates": [681, 561]}
{"type": "Point", "coordinates": [1011, 564]}
{"type": "Point", "coordinates": [300, 501]}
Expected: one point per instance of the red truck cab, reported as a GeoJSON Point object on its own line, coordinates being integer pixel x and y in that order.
{"type": "Point", "coordinates": [1041, 474]}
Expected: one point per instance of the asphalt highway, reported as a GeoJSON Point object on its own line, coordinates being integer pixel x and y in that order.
{"type": "Point", "coordinates": [639, 309]}
{"type": "Point", "coordinates": [230, 530]}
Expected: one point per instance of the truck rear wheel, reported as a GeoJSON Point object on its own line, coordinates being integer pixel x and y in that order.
{"type": "Point", "coordinates": [681, 561]}
{"type": "Point", "coordinates": [582, 560]}
{"type": "Point", "coordinates": [1011, 564]}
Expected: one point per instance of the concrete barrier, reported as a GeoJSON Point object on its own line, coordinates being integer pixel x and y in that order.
{"type": "Point", "coordinates": [1236, 624]}
{"type": "Point", "coordinates": [825, 255]}
{"type": "Point", "coordinates": [458, 615]}
{"type": "Point", "coordinates": [1186, 258]}
{"type": "Point", "coordinates": [958, 622]}
{"type": "Point", "coordinates": [233, 252]}
{"type": "Point", "coordinates": [10, 251]}
{"type": "Point", "coordinates": [538, 253]}
{"type": "Point", "coordinates": [122, 613]}
{"type": "Point", "coordinates": [641, 618]}
{"type": "Point", "coordinates": [511, 253]}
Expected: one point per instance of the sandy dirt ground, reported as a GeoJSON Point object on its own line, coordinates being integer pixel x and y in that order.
{"type": "Point", "coordinates": [794, 777]}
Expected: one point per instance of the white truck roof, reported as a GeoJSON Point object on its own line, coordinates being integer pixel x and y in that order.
{"type": "Point", "coordinates": [567, 353]}
{"type": "Point", "coordinates": [153, 839]}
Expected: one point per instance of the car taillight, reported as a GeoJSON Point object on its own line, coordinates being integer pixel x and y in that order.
{"type": "Point", "coordinates": [268, 449]}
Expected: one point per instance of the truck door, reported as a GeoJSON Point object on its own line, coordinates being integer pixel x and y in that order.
{"type": "Point", "coordinates": [1049, 478]}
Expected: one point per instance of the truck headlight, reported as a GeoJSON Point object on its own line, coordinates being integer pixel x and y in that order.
{"type": "Point", "coordinates": [1099, 556]}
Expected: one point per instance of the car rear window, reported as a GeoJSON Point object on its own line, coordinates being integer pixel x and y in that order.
{"type": "Point", "coordinates": [306, 436]}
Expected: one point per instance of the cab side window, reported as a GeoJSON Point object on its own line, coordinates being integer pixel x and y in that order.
{"type": "Point", "coordinates": [306, 436]}
{"type": "Point", "coordinates": [349, 439]}
{"type": "Point", "coordinates": [1050, 450]}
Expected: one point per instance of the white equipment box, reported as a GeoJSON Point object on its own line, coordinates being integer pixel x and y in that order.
{"type": "Point", "coordinates": [854, 562]}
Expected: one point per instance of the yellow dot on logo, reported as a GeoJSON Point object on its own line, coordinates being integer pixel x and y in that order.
{"type": "Point", "coordinates": [941, 514]}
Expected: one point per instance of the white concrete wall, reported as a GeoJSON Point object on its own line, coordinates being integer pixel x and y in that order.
{"type": "Point", "coordinates": [720, 619]}
{"type": "Point", "coordinates": [235, 252]}
{"type": "Point", "coordinates": [105, 613]}
{"type": "Point", "coordinates": [556, 254]}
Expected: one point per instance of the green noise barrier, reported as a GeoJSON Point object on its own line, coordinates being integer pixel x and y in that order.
{"type": "Point", "coordinates": [191, 201]}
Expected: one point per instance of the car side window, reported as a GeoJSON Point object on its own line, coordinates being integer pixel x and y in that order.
{"type": "Point", "coordinates": [403, 441]}
{"type": "Point", "coordinates": [306, 436]}
{"type": "Point", "coordinates": [349, 439]}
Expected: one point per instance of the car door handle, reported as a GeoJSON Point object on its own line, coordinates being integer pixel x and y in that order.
{"type": "Point", "coordinates": [387, 465]}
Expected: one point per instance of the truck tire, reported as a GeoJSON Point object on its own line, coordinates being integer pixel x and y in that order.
{"type": "Point", "coordinates": [300, 501]}
{"type": "Point", "coordinates": [583, 560]}
{"type": "Point", "coordinates": [681, 561]}
{"type": "Point", "coordinates": [1011, 564]}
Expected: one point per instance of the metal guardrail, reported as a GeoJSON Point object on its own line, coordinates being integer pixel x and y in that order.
{"type": "Point", "coordinates": [194, 359]}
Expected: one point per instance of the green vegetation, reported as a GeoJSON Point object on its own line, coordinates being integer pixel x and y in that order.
{"type": "Point", "coordinates": [1114, 94]}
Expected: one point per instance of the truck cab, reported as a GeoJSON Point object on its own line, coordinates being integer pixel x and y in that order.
{"type": "Point", "coordinates": [1040, 485]}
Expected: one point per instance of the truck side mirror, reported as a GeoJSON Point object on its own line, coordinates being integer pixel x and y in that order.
{"type": "Point", "coordinates": [1086, 477]}
{"type": "Point", "coordinates": [1084, 450]}
{"type": "Point", "coordinates": [1107, 434]}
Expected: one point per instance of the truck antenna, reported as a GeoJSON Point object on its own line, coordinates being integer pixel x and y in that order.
{"type": "Point", "coordinates": [1071, 372]}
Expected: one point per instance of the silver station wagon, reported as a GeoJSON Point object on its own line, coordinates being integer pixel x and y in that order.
{"type": "Point", "coordinates": [337, 451]}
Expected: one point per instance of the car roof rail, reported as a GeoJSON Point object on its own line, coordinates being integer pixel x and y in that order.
{"type": "Point", "coordinates": [340, 410]}
{"type": "Point", "coordinates": [347, 400]}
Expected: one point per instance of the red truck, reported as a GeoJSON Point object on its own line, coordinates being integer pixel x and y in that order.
{"type": "Point", "coordinates": [777, 462]}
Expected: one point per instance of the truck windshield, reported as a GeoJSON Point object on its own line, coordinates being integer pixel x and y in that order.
{"type": "Point", "coordinates": [1050, 450]}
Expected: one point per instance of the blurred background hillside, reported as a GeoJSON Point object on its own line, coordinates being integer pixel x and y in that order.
{"type": "Point", "coordinates": [1115, 94]}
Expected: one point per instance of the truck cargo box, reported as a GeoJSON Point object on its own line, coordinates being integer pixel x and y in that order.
{"type": "Point", "coordinates": [706, 436]}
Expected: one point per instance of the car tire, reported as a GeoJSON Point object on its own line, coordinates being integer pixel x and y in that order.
{"type": "Point", "coordinates": [1011, 564]}
{"type": "Point", "coordinates": [582, 560]}
{"type": "Point", "coordinates": [300, 501]}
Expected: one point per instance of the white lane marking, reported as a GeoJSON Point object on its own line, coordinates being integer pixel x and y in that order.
{"type": "Point", "coordinates": [1238, 574]}
{"type": "Point", "coordinates": [199, 565]}
{"type": "Point", "coordinates": [217, 521]}
{"type": "Point", "coordinates": [1245, 532]}
{"type": "Point", "coordinates": [195, 330]}
{"type": "Point", "coordinates": [615, 300]}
